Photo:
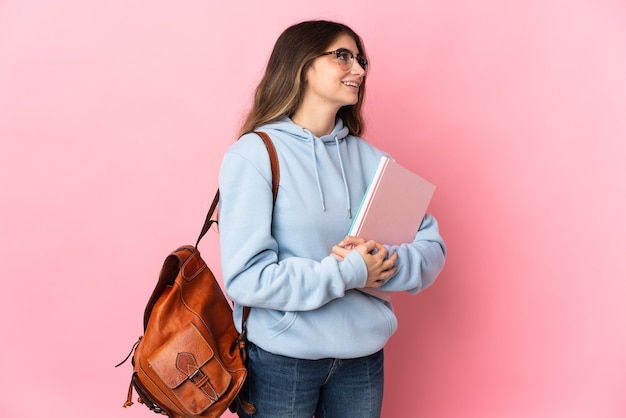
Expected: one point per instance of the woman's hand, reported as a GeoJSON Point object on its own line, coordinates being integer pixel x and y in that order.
{"type": "Point", "coordinates": [379, 267]}
{"type": "Point", "coordinates": [342, 249]}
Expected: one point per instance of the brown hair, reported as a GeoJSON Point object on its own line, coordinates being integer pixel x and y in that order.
{"type": "Point", "coordinates": [281, 89]}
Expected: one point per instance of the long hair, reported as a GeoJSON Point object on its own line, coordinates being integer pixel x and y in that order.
{"type": "Point", "coordinates": [281, 89]}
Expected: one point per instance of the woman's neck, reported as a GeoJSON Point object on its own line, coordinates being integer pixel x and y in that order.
{"type": "Point", "coordinates": [317, 120]}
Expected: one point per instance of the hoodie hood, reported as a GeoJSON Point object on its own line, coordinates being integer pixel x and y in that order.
{"type": "Point", "coordinates": [287, 126]}
{"type": "Point", "coordinates": [336, 137]}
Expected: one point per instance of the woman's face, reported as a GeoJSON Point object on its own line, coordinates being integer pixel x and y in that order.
{"type": "Point", "coordinates": [330, 85]}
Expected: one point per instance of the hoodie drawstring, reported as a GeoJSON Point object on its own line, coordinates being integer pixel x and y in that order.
{"type": "Point", "coordinates": [317, 176]}
{"type": "Point", "coordinates": [345, 182]}
{"type": "Point", "coordinates": [343, 176]}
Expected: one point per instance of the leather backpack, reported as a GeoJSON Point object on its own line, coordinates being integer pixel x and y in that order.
{"type": "Point", "coordinates": [190, 361]}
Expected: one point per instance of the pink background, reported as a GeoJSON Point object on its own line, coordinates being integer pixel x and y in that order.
{"type": "Point", "coordinates": [114, 117]}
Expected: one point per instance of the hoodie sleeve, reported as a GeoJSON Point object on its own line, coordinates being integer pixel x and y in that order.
{"type": "Point", "coordinates": [420, 262]}
{"type": "Point", "coordinates": [251, 270]}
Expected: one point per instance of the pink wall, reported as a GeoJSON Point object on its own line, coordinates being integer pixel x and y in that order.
{"type": "Point", "coordinates": [114, 117]}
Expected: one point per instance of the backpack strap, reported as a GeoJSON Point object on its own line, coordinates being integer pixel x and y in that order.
{"type": "Point", "coordinates": [271, 150]}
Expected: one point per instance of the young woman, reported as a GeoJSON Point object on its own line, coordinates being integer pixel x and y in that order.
{"type": "Point", "coordinates": [315, 342]}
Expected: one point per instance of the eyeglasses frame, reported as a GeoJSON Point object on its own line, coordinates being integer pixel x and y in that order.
{"type": "Point", "coordinates": [359, 57]}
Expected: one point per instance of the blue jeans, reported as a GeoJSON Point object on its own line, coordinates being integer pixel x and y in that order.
{"type": "Point", "coordinates": [285, 387]}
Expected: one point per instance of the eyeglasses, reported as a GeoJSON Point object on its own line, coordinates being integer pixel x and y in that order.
{"type": "Point", "coordinates": [346, 58]}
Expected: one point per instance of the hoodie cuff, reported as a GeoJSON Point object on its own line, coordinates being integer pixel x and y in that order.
{"type": "Point", "coordinates": [356, 272]}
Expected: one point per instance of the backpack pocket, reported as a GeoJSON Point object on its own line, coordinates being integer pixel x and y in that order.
{"type": "Point", "coordinates": [188, 366]}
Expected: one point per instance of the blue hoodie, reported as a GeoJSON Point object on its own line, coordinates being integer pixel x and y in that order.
{"type": "Point", "coordinates": [304, 301]}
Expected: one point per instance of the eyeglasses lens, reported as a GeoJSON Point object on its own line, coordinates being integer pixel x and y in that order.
{"type": "Point", "coordinates": [346, 59]}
